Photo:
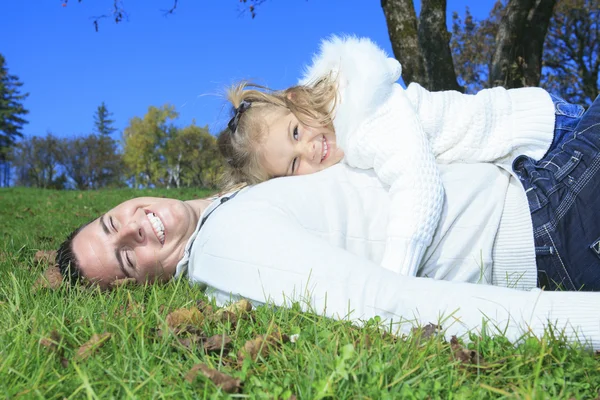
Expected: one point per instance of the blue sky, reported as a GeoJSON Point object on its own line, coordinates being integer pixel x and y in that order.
{"type": "Point", "coordinates": [186, 59]}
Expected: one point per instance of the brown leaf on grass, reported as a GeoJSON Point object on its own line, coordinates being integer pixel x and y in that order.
{"type": "Point", "coordinates": [224, 381]}
{"type": "Point", "coordinates": [239, 306]}
{"type": "Point", "coordinates": [204, 307]}
{"type": "Point", "coordinates": [51, 279]}
{"type": "Point", "coordinates": [45, 256]}
{"type": "Point", "coordinates": [464, 355]}
{"type": "Point", "coordinates": [51, 342]}
{"type": "Point", "coordinates": [184, 316]}
{"type": "Point", "coordinates": [233, 312]}
{"type": "Point", "coordinates": [122, 282]}
{"type": "Point", "coordinates": [427, 331]}
{"type": "Point", "coordinates": [261, 345]}
{"type": "Point", "coordinates": [89, 347]}
{"type": "Point", "coordinates": [216, 343]}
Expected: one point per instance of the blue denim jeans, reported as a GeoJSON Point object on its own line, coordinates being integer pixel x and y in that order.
{"type": "Point", "coordinates": [563, 190]}
{"type": "Point", "coordinates": [567, 117]}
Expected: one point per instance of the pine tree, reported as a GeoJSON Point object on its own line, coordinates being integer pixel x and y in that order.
{"type": "Point", "coordinates": [11, 121]}
{"type": "Point", "coordinates": [103, 122]}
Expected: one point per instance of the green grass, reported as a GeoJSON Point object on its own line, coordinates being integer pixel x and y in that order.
{"type": "Point", "coordinates": [330, 359]}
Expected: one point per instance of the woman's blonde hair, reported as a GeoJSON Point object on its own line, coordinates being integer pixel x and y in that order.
{"type": "Point", "coordinates": [312, 104]}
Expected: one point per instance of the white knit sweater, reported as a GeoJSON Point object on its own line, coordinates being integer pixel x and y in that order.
{"type": "Point", "coordinates": [400, 134]}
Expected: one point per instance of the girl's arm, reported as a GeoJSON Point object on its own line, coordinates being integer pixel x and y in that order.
{"type": "Point", "coordinates": [494, 125]}
{"type": "Point", "coordinates": [393, 142]}
{"type": "Point", "coordinates": [268, 257]}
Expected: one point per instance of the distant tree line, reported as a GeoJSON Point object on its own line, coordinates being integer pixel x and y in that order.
{"type": "Point", "coordinates": [153, 153]}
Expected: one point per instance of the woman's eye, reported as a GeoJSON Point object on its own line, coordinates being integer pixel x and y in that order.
{"type": "Point", "coordinates": [294, 163]}
{"type": "Point", "coordinates": [128, 257]}
{"type": "Point", "coordinates": [295, 133]}
{"type": "Point", "coordinates": [112, 224]}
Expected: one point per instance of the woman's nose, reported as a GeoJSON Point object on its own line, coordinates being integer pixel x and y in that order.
{"type": "Point", "coordinates": [133, 231]}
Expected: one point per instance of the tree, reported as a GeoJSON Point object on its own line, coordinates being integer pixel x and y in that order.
{"type": "Point", "coordinates": [103, 123]}
{"type": "Point", "coordinates": [36, 161]}
{"type": "Point", "coordinates": [572, 51]}
{"type": "Point", "coordinates": [92, 161]}
{"type": "Point", "coordinates": [11, 117]}
{"type": "Point", "coordinates": [423, 45]}
{"type": "Point", "coordinates": [194, 158]}
{"type": "Point", "coordinates": [145, 140]}
{"type": "Point", "coordinates": [517, 60]}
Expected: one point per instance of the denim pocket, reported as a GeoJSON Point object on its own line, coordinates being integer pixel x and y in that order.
{"type": "Point", "coordinates": [561, 107]}
{"type": "Point", "coordinates": [569, 166]}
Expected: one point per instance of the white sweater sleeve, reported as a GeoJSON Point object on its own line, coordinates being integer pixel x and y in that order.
{"type": "Point", "coordinates": [287, 263]}
{"type": "Point", "coordinates": [494, 125]}
{"type": "Point", "coordinates": [393, 142]}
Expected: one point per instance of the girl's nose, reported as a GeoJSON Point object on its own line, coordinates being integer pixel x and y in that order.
{"type": "Point", "coordinates": [310, 150]}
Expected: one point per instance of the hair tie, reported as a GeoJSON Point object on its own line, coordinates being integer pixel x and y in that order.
{"type": "Point", "coordinates": [233, 123]}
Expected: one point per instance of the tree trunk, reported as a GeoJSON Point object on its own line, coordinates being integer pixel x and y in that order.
{"type": "Point", "coordinates": [434, 40]}
{"type": "Point", "coordinates": [422, 46]}
{"type": "Point", "coordinates": [519, 43]}
{"type": "Point", "coordinates": [535, 35]}
{"type": "Point", "coordinates": [402, 27]}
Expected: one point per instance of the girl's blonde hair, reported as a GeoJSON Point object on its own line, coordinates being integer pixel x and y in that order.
{"type": "Point", "coordinates": [312, 104]}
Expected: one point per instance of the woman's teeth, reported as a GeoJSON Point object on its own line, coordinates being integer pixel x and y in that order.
{"type": "Point", "coordinates": [325, 149]}
{"type": "Point", "coordinates": [158, 227]}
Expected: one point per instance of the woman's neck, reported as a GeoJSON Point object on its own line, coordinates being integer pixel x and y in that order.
{"type": "Point", "coordinates": [199, 205]}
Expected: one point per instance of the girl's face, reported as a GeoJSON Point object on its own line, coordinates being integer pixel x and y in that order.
{"type": "Point", "coordinates": [292, 148]}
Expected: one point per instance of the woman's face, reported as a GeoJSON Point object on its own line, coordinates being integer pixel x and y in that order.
{"type": "Point", "coordinates": [292, 148]}
{"type": "Point", "coordinates": [142, 238]}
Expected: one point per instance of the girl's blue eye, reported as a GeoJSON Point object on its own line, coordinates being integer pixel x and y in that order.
{"type": "Point", "coordinates": [295, 133]}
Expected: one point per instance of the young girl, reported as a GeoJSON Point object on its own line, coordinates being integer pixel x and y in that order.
{"type": "Point", "coordinates": [349, 108]}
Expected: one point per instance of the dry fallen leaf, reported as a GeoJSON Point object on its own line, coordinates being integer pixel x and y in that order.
{"type": "Point", "coordinates": [239, 306]}
{"type": "Point", "coordinates": [427, 331]}
{"type": "Point", "coordinates": [184, 316]}
{"type": "Point", "coordinates": [89, 347]}
{"type": "Point", "coordinates": [204, 307]}
{"type": "Point", "coordinates": [122, 282]}
{"type": "Point", "coordinates": [233, 311]}
{"type": "Point", "coordinates": [224, 381]}
{"type": "Point", "coordinates": [51, 279]}
{"type": "Point", "coordinates": [51, 342]}
{"type": "Point", "coordinates": [45, 256]}
{"type": "Point", "coordinates": [216, 343]}
{"type": "Point", "coordinates": [464, 355]}
{"type": "Point", "coordinates": [260, 345]}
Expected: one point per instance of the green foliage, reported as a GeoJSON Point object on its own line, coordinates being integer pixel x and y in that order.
{"type": "Point", "coordinates": [92, 161]}
{"type": "Point", "coordinates": [329, 359]}
{"type": "Point", "coordinates": [145, 140]}
{"type": "Point", "coordinates": [103, 123]}
{"type": "Point", "coordinates": [11, 117]}
{"type": "Point", "coordinates": [193, 158]}
{"type": "Point", "coordinates": [159, 154]}
{"type": "Point", "coordinates": [36, 161]}
{"type": "Point", "coordinates": [11, 107]}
